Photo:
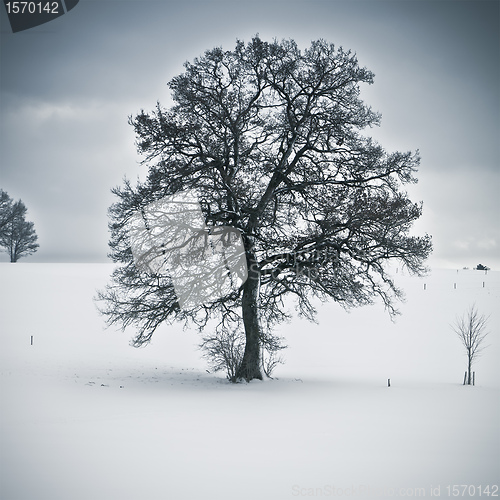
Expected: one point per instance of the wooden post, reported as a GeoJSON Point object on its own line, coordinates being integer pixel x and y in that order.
{"type": "Point", "coordinates": [473, 378]}
{"type": "Point", "coordinates": [32, 340]}
{"type": "Point", "coordinates": [388, 382]}
{"type": "Point", "coordinates": [455, 286]}
{"type": "Point", "coordinates": [465, 377]}
{"type": "Point", "coordinates": [425, 286]}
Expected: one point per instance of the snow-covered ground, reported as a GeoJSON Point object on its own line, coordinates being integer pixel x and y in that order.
{"type": "Point", "coordinates": [84, 416]}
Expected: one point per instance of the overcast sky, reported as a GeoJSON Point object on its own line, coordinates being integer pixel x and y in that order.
{"type": "Point", "coordinates": [68, 86]}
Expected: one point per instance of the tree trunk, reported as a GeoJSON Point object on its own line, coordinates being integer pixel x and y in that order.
{"type": "Point", "coordinates": [469, 374]}
{"type": "Point", "coordinates": [250, 364]}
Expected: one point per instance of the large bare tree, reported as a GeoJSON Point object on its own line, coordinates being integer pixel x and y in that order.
{"type": "Point", "coordinates": [270, 140]}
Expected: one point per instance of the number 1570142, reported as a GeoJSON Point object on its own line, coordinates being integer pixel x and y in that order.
{"type": "Point", "coordinates": [33, 7]}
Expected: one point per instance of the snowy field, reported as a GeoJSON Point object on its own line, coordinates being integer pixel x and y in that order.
{"type": "Point", "coordinates": [84, 416]}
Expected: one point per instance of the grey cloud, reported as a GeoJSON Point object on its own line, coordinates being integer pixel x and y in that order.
{"type": "Point", "coordinates": [67, 88]}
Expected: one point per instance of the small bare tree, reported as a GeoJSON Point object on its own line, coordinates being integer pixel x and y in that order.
{"type": "Point", "coordinates": [224, 351]}
{"type": "Point", "coordinates": [471, 329]}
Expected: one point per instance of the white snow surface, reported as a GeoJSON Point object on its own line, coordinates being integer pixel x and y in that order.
{"type": "Point", "coordinates": [84, 416]}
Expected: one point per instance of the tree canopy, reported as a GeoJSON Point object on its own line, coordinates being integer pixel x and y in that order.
{"type": "Point", "coordinates": [269, 139]}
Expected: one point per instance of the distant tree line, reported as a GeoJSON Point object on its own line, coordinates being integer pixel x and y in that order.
{"type": "Point", "coordinates": [17, 235]}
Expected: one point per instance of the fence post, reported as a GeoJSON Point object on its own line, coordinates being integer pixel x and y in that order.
{"type": "Point", "coordinates": [473, 378]}
{"type": "Point", "coordinates": [388, 382]}
{"type": "Point", "coordinates": [465, 377]}
{"type": "Point", "coordinates": [32, 340]}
